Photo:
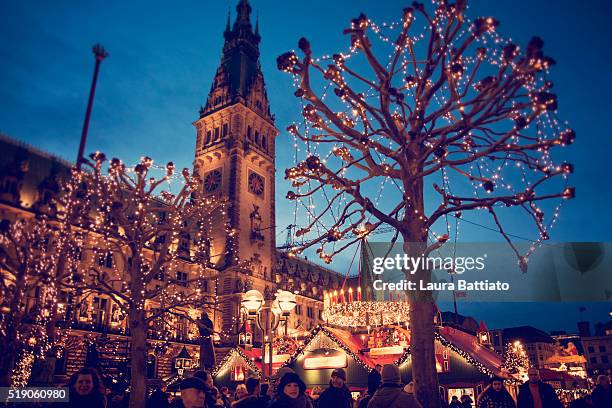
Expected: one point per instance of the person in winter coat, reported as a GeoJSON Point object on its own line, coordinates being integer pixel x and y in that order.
{"type": "Point", "coordinates": [85, 390]}
{"type": "Point", "coordinates": [602, 394]}
{"type": "Point", "coordinates": [466, 401]}
{"type": "Point", "coordinates": [290, 393]}
{"type": "Point", "coordinates": [496, 396]}
{"type": "Point", "coordinates": [252, 399]}
{"type": "Point", "coordinates": [192, 394]}
{"type": "Point", "coordinates": [158, 398]}
{"type": "Point", "coordinates": [374, 380]}
{"type": "Point", "coordinates": [241, 392]}
{"type": "Point", "coordinates": [206, 377]}
{"type": "Point", "coordinates": [455, 403]}
{"type": "Point", "coordinates": [390, 394]}
{"type": "Point", "coordinates": [338, 394]}
{"type": "Point", "coordinates": [537, 394]}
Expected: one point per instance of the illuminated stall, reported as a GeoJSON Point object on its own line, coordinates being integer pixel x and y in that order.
{"type": "Point", "coordinates": [242, 362]}
{"type": "Point", "coordinates": [464, 365]}
{"type": "Point", "coordinates": [237, 365]}
{"type": "Point", "coordinates": [361, 333]}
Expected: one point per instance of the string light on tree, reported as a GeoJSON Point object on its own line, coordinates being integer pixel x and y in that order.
{"type": "Point", "coordinates": [442, 95]}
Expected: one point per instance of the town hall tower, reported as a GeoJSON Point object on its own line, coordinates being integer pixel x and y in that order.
{"type": "Point", "coordinates": [235, 158]}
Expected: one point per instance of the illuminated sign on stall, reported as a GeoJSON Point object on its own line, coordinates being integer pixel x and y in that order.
{"type": "Point", "coordinates": [325, 358]}
{"type": "Point", "coordinates": [386, 351]}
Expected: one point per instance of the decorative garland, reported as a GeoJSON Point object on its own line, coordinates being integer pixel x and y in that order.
{"type": "Point", "coordinates": [320, 330]}
{"type": "Point", "coordinates": [236, 352]}
{"type": "Point", "coordinates": [467, 356]}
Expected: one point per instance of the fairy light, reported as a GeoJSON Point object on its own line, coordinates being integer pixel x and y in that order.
{"type": "Point", "coordinates": [23, 369]}
{"type": "Point", "coordinates": [485, 158]}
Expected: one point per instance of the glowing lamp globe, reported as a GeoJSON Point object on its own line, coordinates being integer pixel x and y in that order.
{"type": "Point", "coordinates": [276, 308]}
{"type": "Point", "coordinates": [286, 301]}
{"type": "Point", "coordinates": [252, 301]}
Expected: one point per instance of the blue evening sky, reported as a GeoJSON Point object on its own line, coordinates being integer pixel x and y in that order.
{"type": "Point", "coordinates": [163, 57]}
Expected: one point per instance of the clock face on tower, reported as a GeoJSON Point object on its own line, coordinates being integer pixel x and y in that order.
{"type": "Point", "coordinates": [256, 184]}
{"type": "Point", "coordinates": [212, 181]}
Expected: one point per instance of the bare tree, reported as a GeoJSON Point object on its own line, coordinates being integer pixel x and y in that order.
{"type": "Point", "coordinates": [439, 107]}
{"type": "Point", "coordinates": [141, 239]}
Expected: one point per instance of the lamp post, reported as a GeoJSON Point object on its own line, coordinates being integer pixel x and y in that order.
{"type": "Point", "coordinates": [268, 317]}
{"type": "Point", "coordinates": [99, 53]}
{"type": "Point", "coordinates": [183, 361]}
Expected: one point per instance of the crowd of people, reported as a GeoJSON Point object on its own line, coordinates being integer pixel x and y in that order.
{"type": "Point", "coordinates": [287, 390]}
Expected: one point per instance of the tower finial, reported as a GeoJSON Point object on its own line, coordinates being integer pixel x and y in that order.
{"type": "Point", "coordinates": [244, 11]}
{"type": "Point", "coordinates": [257, 23]}
{"type": "Point", "coordinates": [227, 25]}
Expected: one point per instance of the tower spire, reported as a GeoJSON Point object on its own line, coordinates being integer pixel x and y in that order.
{"type": "Point", "coordinates": [227, 25]}
{"type": "Point", "coordinates": [239, 72]}
{"type": "Point", "coordinates": [244, 12]}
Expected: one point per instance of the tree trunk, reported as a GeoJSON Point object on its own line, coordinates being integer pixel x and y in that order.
{"type": "Point", "coordinates": [43, 369]}
{"type": "Point", "coordinates": [422, 349]}
{"type": "Point", "coordinates": [13, 325]}
{"type": "Point", "coordinates": [138, 330]}
{"type": "Point", "coordinates": [422, 311]}
{"type": "Point", "coordinates": [7, 357]}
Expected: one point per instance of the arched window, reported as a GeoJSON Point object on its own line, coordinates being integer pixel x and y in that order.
{"type": "Point", "coordinates": [256, 137]}
{"type": "Point", "coordinates": [264, 142]}
{"type": "Point", "coordinates": [207, 137]}
{"type": "Point", "coordinates": [249, 131]}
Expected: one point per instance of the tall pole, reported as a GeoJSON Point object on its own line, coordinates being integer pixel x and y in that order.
{"type": "Point", "coordinates": [99, 54]}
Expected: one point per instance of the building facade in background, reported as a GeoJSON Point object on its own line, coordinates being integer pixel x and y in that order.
{"type": "Point", "coordinates": [235, 158]}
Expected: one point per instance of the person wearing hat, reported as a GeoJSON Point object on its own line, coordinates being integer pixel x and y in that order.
{"type": "Point", "coordinates": [275, 378]}
{"type": "Point", "coordinates": [495, 396]}
{"type": "Point", "coordinates": [338, 394]}
{"type": "Point", "coordinates": [391, 394]}
{"type": "Point", "coordinates": [192, 394]}
{"type": "Point", "coordinates": [291, 393]}
{"type": "Point", "coordinates": [209, 398]}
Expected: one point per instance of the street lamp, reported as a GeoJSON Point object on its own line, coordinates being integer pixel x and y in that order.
{"type": "Point", "coordinates": [183, 361]}
{"type": "Point", "coordinates": [268, 317]}
{"type": "Point", "coordinates": [252, 302]}
{"type": "Point", "coordinates": [286, 301]}
{"type": "Point", "coordinates": [99, 53]}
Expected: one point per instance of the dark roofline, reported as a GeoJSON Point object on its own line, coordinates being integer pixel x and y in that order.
{"type": "Point", "coordinates": [30, 148]}
{"type": "Point", "coordinates": [529, 334]}
{"type": "Point", "coordinates": [310, 263]}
